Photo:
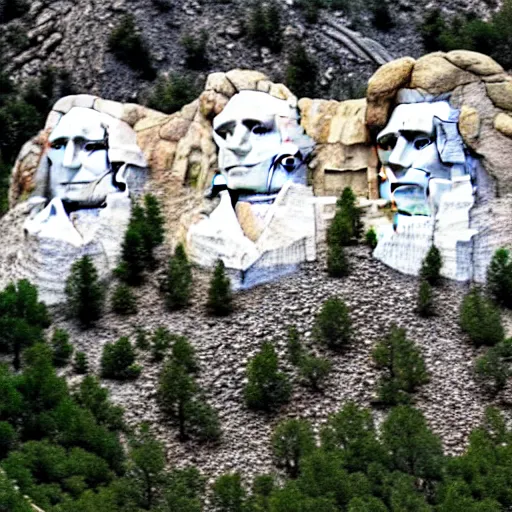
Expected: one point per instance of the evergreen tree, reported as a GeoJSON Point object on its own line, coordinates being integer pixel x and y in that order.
{"type": "Point", "coordinates": [292, 439]}
{"type": "Point", "coordinates": [295, 351]}
{"type": "Point", "coordinates": [160, 343]}
{"type": "Point", "coordinates": [425, 306]}
{"type": "Point", "coordinates": [141, 339]}
{"type": "Point", "coordinates": [267, 388]}
{"type": "Point", "coordinates": [84, 292]}
{"type": "Point", "coordinates": [314, 370]}
{"type": "Point", "coordinates": [22, 318]}
{"type": "Point", "coordinates": [123, 300]}
{"type": "Point", "coordinates": [154, 220]}
{"type": "Point", "coordinates": [337, 262]}
{"type": "Point", "coordinates": [179, 280]}
{"type": "Point", "coordinates": [273, 21]}
{"type": "Point", "coordinates": [184, 490]}
{"type": "Point", "coordinates": [220, 297]}
{"type": "Point", "coordinates": [403, 366]}
{"type": "Point", "coordinates": [495, 365]}
{"type": "Point", "coordinates": [499, 278]}
{"type": "Point", "coordinates": [229, 494]}
{"type": "Point", "coordinates": [118, 360]}
{"type": "Point", "coordinates": [347, 206]}
{"type": "Point", "coordinates": [333, 326]}
{"type": "Point", "coordinates": [301, 73]}
{"type": "Point", "coordinates": [431, 266]}
{"type": "Point", "coordinates": [184, 353]}
{"type": "Point", "coordinates": [371, 238]}
{"type": "Point", "coordinates": [81, 364]}
{"type": "Point", "coordinates": [264, 25]}
{"type": "Point", "coordinates": [481, 319]}
{"type": "Point", "coordinates": [62, 348]}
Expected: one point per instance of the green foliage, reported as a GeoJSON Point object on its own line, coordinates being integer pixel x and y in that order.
{"type": "Point", "coordinates": [154, 233]}
{"type": "Point", "coordinates": [22, 318]}
{"type": "Point", "coordinates": [333, 326]}
{"type": "Point", "coordinates": [370, 238]}
{"type": "Point", "coordinates": [431, 266]}
{"type": "Point", "coordinates": [412, 447]}
{"type": "Point", "coordinates": [311, 9]}
{"type": "Point", "coordinates": [81, 364]}
{"type": "Point", "coordinates": [314, 370]}
{"type": "Point", "coordinates": [160, 343]}
{"type": "Point", "coordinates": [425, 306]}
{"type": "Point", "coordinates": [8, 438]}
{"type": "Point", "coordinates": [148, 458]}
{"type": "Point", "coordinates": [337, 262]}
{"type": "Point", "coordinates": [267, 388]}
{"type": "Point", "coordinates": [195, 50]}
{"type": "Point", "coordinates": [294, 345]}
{"type": "Point", "coordinates": [480, 319]}
{"type": "Point", "coordinates": [85, 293]}
{"type": "Point", "coordinates": [292, 440]}
{"type": "Point", "coordinates": [118, 360]}
{"type": "Point", "coordinates": [178, 286]}
{"type": "Point", "coordinates": [301, 73]}
{"type": "Point", "coordinates": [403, 367]}
{"type": "Point", "coordinates": [181, 398]}
{"type": "Point", "coordinates": [11, 500]}
{"type": "Point", "coordinates": [123, 300]}
{"type": "Point", "coordinates": [229, 494]}
{"type": "Point", "coordinates": [184, 491]}
{"type": "Point", "coordinates": [499, 278]}
{"type": "Point", "coordinates": [494, 366]}
{"type": "Point", "coordinates": [170, 94]}
{"type": "Point", "coordinates": [62, 348]}
{"type": "Point", "coordinates": [264, 25]}
{"type": "Point", "coordinates": [128, 46]}
{"type": "Point", "coordinates": [346, 227]}
{"type": "Point", "coordinates": [220, 297]}
{"type": "Point", "coordinates": [141, 339]}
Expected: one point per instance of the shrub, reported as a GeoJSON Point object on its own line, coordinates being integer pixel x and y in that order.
{"type": "Point", "coordinates": [425, 307]}
{"type": "Point", "coordinates": [172, 93]}
{"type": "Point", "coordinates": [294, 345]}
{"type": "Point", "coordinates": [480, 319]}
{"type": "Point", "coordinates": [337, 262]}
{"type": "Point", "coordinates": [123, 300]}
{"type": "Point", "coordinates": [141, 339]}
{"type": "Point", "coordinates": [346, 227]}
{"type": "Point", "coordinates": [195, 50]}
{"type": "Point", "coordinates": [267, 388]}
{"type": "Point", "coordinates": [229, 495]}
{"type": "Point", "coordinates": [499, 278]}
{"type": "Point", "coordinates": [118, 360]}
{"type": "Point", "coordinates": [183, 352]}
{"type": "Point", "coordinates": [62, 348]}
{"type": "Point", "coordinates": [160, 343]}
{"type": "Point", "coordinates": [431, 266]}
{"type": "Point", "coordinates": [184, 490]}
{"type": "Point", "coordinates": [264, 25]}
{"type": "Point", "coordinates": [494, 366]}
{"type": "Point", "coordinates": [301, 73]}
{"type": "Point", "coordinates": [22, 318]}
{"type": "Point", "coordinates": [333, 326]}
{"type": "Point", "coordinates": [153, 232]}
{"type": "Point", "coordinates": [403, 366]}
{"type": "Point", "coordinates": [314, 370]}
{"type": "Point", "coordinates": [370, 238]}
{"type": "Point", "coordinates": [81, 364]}
{"type": "Point", "coordinates": [178, 285]}
{"type": "Point", "coordinates": [292, 439]}
{"type": "Point", "coordinates": [220, 298]}
{"type": "Point", "coordinates": [128, 46]}
{"type": "Point", "coordinates": [84, 292]}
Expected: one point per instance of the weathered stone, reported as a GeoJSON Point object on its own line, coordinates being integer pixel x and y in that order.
{"type": "Point", "coordinates": [348, 124]}
{"type": "Point", "coordinates": [436, 74]}
{"type": "Point", "coordinates": [163, 158]}
{"type": "Point", "coordinates": [244, 79]}
{"type": "Point", "coordinates": [65, 104]}
{"type": "Point", "coordinates": [389, 78]}
{"type": "Point", "coordinates": [316, 116]}
{"type": "Point", "coordinates": [469, 123]}
{"type": "Point", "coordinates": [133, 113]}
{"type": "Point", "coordinates": [219, 82]}
{"type": "Point", "coordinates": [503, 123]}
{"type": "Point", "coordinates": [264, 85]}
{"type": "Point", "coordinates": [248, 222]}
{"type": "Point", "coordinates": [474, 62]}
{"type": "Point", "coordinates": [112, 108]}
{"type": "Point", "coordinates": [501, 94]}
{"type": "Point", "coordinates": [149, 122]}
{"type": "Point", "coordinates": [378, 112]}
{"type": "Point", "coordinates": [52, 120]}
{"type": "Point", "coordinates": [175, 128]}
{"type": "Point", "coordinates": [281, 91]}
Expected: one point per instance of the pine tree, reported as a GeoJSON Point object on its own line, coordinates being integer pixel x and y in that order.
{"type": "Point", "coordinates": [431, 267]}
{"type": "Point", "coordinates": [337, 262]}
{"type": "Point", "coordinates": [333, 326]}
{"type": "Point", "coordinates": [499, 278]}
{"type": "Point", "coordinates": [314, 370]}
{"type": "Point", "coordinates": [220, 298]}
{"type": "Point", "coordinates": [123, 300]}
{"type": "Point", "coordinates": [179, 280]}
{"type": "Point", "coordinates": [160, 343]}
{"type": "Point", "coordinates": [347, 205]}
{"type": "Point", "coordinates": [118, 360]}
{"type": "Point", "coordinates": [403, 366]}
{"type": "Point", "coordinates": [84, 292]}
{"type": "Point", "coordinates": [371, 238]}
{"type": "Point", "coordinates": [292, 439]}
{"type": "Point", "coordinates": [229, 494]}
{"type": "Point", "coordinates": [295, 351]}
{"type": "Point", "coordinates": [425, 306]}
{"type": "Point", "coordinates": [154, 225]}
{"type": "Point", "coordinates": [267, 388]}
{"type": "Point", "coordinates": [62, 348]}
{"type": "Point", "coordinates": [481, 319]}
{"type": "Point", "coordinates": [81, 364]}
{"type": "Point", "coordinates": [495, 365]}
{"type": "Point", "coordinates": [301, 73]}
{"type": "Point", "coordinates": [184, 490]}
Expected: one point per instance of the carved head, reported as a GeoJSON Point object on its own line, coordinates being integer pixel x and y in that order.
{"type": "Point", "coordinates": [422, 154]}
{"type": "Point", "coordinates": [261, 144]}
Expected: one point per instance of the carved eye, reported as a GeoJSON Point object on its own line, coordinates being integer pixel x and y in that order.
{"type": "Point", "coordinates": [58, 144]}
{"type": "Point", "coordinates": [388, 142]}
{"type": "Point", "coordinates": [95, 146]}
{"type": "Point", "coordinates": [223, 133]}
{"type": "Point", "coordinates": [422, 142]}
{"type": "Point", "coordinates": [260, 129]}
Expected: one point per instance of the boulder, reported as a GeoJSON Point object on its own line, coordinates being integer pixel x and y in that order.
{"type": "Point", "coordinates": [501, 94]}
{"type": "Point", "coordinates": [503, 123]}
{"type": "Point", "coordinates": [474, 62]}
{"type": "Point", "coordinates": [469, 123]}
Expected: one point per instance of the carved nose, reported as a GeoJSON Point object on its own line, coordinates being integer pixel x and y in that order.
{"type": "Point", "coordinates": [400, 157]}
{"type": "Point", "coordinates": [238, 141]}
{"type": "Point", "coordinates": [71, 156]}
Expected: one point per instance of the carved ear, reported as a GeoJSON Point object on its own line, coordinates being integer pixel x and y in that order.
{"type": "Point", "coordinates": [449, 142]}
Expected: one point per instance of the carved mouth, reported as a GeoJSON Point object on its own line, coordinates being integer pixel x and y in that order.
{"type": "Point", "coordinates": [239, 168]}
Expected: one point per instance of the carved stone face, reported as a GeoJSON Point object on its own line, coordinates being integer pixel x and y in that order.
{"type": "Point", "coordinates": [422, 153]}
{"type": "Point", "coordinates": [257, 139]}
{"type": "Point", "coordinates": [78, 157]}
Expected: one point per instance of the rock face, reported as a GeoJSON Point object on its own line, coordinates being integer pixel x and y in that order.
{"type": "Point", "coordinates": [478, 88]}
